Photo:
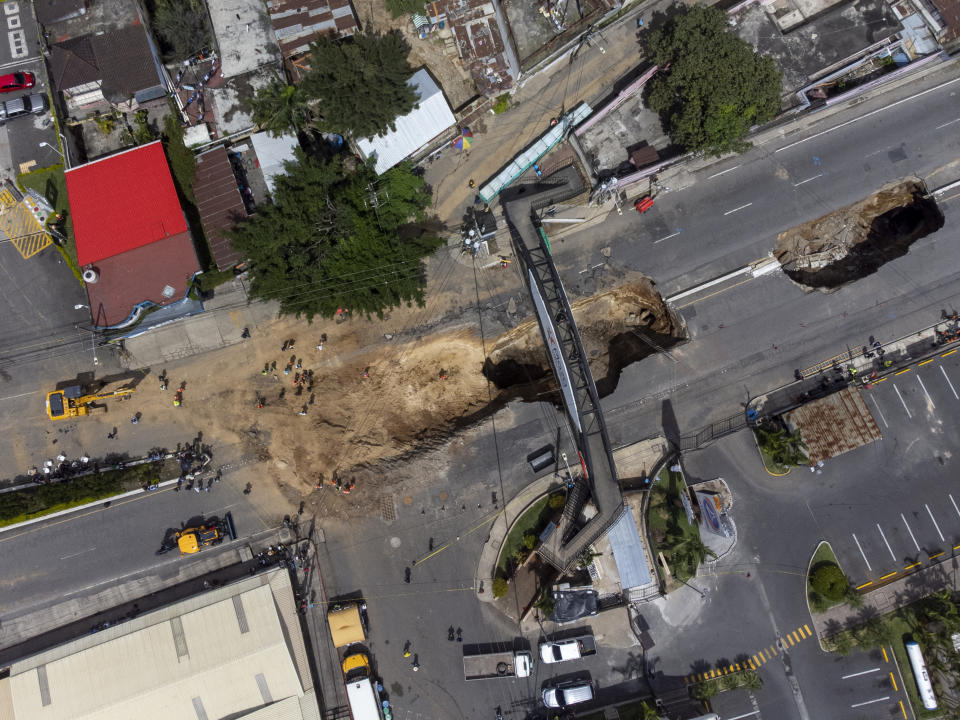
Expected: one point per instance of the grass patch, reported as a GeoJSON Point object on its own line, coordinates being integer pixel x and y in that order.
{"type": "Point", "coordinates": [209, 280]}
{"type": "Point", "coordinates": [638, 710]}
{"type": "Point", "coordinates": [532, 521]}
{"type": "Point", "coordinates": [502, 103]}
{"type": "Point", "coordinates": [771, 466]}
{"type": "Point", "coordinates": [711, 688]}
{"type": "Point", "coordinates": [51, 183]}
{"type": "Point", "coordinates": [667, 522]}
{"type": "Point", "coordinates": [824, 556]}
{"type": "Point", "coordinates": [900, 628]}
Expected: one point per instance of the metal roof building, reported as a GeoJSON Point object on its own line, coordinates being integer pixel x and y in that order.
{"type": "Point", "coordinates": [414, 130]}
{"type": "Point", "coordinates": [236, 651]}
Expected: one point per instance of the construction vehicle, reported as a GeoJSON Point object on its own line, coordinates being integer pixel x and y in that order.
{"type": "Point", "coordinates": [348, 623]}
{"type": "Point", "coordinates": [362, 696]}
{"type": "Point", "coordinates": [192, 540]}
{"type": "Point", "coordinates": [79, 400]}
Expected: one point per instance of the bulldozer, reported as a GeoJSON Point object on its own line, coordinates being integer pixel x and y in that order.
{"type": "Point", "coordinates": [79, 400]}
{"type": "Point", "coordinates": [191, 540]}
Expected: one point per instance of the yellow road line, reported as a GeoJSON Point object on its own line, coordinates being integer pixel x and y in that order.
{"type": "Point", "coordinates": [893, 680]}
{"type": "Point", "coordinates": [713, 673]}
{"type": "Point", "coordinates": [721, 290]}
{"type": "Point", "coordinates": [757, 661]}
{"type": "Point", "coordinates": [885, 658]}
{"type": "Point", "coordinates": [910, 567]}
{"type": "Point", "coordinates": [800, 633]}
{"type": "Point", "coordinates": [750, 662]}
{"type": "Point", "coordinates": [807, 628]}
{"type": "Point", "coordinates": [901, 372]}
{"type": "Point", "coordinates": [934, 557]}
{"type": "Point", "coordinates": [903, 711]}
{"type": "Point", "coordinates": [773, 650]}
{"type": "Point", "coordinates": [731, 668]}
{"type": "Point", "coordinates": [738, 667]}
{"type": "Point", "coordinates": [880, 380]}
{"type": "Point", "coordinates": [889, 575]}
{"type": "Point", "coordinates": [792, 643]}
{"type": "Point", "coordinates": [956, 547]}
{"type": "Point", "coordinates": [948, 354]}
{"type": "Point", "coordinates": [921, 364]}
{"type": "Point", "coordinates": [868, 582]}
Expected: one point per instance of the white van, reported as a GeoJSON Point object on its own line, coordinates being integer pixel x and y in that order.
{"type": "Point", "coordinates": [567, 694]}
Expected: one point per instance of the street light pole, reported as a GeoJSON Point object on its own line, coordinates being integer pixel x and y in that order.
{"type": "Point", "coordinates": [46, 144]}
{"type": "Point", "coordinates": [93, 334]}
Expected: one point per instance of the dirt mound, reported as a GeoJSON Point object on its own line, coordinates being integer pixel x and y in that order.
{"type": "Point", "coordinates": [857, 240]}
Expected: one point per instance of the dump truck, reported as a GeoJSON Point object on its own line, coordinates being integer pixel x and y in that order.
{"type": "Point", "coordinates": [362, 693]}
{"type": "Point", "coordinates": [486, 666]}
{"type": "Point", "coordinates": [348, 623]}
{"type": "Point", "coordinates": [574, 648]}
{"type": "Point", "coordinates": [191, 540]}
{"type": "Point", "coordinates": [79, 400]}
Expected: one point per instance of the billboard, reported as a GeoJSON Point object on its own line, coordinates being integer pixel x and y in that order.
{"type": "Point", "coordinates": [555, 351]}
{"type": "Point", "coordinates": [710, 514]}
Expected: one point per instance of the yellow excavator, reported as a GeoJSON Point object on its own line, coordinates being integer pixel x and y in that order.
{"type": "Point", "coordinates": [79, 400]}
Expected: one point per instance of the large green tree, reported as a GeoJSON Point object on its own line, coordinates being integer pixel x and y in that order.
{"type": "Point", "coordinates": [181, 26]}
{"type": "Point", "coordinates": [336, 239]}
{"type": "Point", "coordinates": [355, 87]}
{"type": "Point", "coordinates": [712, 86]}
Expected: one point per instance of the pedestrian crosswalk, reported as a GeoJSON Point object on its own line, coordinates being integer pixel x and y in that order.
{"type": "Point", "coordinates": [21, 226]}
{"type": "Point", "coordinates": [755, 660]}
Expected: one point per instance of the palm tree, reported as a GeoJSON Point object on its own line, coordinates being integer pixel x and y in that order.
{"type": "Point", "coordinates": [279, 108]}
{"type": "Point", "coordinates": [785, 448]}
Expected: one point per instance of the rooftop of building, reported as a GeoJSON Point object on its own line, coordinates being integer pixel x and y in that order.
{"type": "Point", "coordinates": [219, 203]}
{"type": "Point", "coordinates": [244, 36]}
{"type": "Point", "coordinates": [297, 23]}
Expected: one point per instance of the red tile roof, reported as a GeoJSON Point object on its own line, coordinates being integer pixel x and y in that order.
{"type": "Point", "coordinates": [123, 202]}
{"type": "Point", "coordinates": [219, 203]}
{"type": "Point", "coordinates": [139, 275]}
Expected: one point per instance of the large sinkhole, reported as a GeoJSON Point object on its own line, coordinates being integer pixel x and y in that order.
{"type": "Point", "coordinates": [857, 240]}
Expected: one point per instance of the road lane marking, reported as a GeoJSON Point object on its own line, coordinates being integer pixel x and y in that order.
{"type": "Point", "coordinates": [947, 378]}
{"type": "Point", "coordinates": [954, 504]}
{"type": "Point", "coordinates": [902, 402]}
{"type": "Point", "coordinates": [934, 557]}
{"type": "Point", "coordinates": [901, 372]}
{"type": "Point", "coordinates": [666, 238]}
{"type": "Point", "coordinates": [925, 362]}
{"type": "Point", "coordinates": [910, 567]}
{"type": "Point", "coordinates": [929, 399]}
{"type": "Point", "coordinates": [858, 674]}
{"type": "Point", "coordinates": [742, 207]}
{"type": "Point", "coordinates": [879, 411]}
{"type": "Point", "coordinates": [868, 583]}
{"type": "Point", "coordinates": [885, 658]}
{"type": "Point", "coordinates": [889, 549]}
{"type": "Point", "coordinates": [948, 354]}
{"type": "Point", "coordinates": [888, 575]}
{"type": "Point", "coordinates": [76, 554]}
{"type": "Point", "coordinates": [794, 633]}
{"type": "Point", "coordinates": [903, 710]}
{"type": "Point", "coordinates": [871, 702]}
{"type": "Point", "coordinates": [807, 628]}
{"type": "Point", "coordinates": [14, 397]}
{"type": "Point", "coordinates": [940, 127]}
{"type": "Point", "coordinates": [803, 182]}
{"type": "Point", "coordinates": [724, 172]}
{"type": "Point", "coordinates": [915, 543]}
{"type": "Point", "coordinates": [746, 715]}
{"type": "Point", "coordinates": [930, 513]}
{"type": "Point", "coordinates": [862, 553]}
{"type": "Point", "coordinates": [866, 115]}
{"type": "Point", "coordinates": [894, 682]}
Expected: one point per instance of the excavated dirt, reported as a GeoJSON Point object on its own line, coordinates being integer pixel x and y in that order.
{"type": "Point", "coordinates": [416, 394]}
{"type": "Point", "coordinates": [857, 240]}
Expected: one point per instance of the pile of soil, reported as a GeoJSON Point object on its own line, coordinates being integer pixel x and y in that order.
{"type": "Point", "coordinates": [855, 241]}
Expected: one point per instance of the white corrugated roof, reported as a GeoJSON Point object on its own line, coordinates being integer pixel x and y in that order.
{"type": "Point", "coordinates": [273, 152]}
{"type": "Point", "coordinates": [217, 660]}
{"type": "Point", "coordinates": [415, 129]}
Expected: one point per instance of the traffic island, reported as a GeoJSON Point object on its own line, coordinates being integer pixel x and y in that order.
{"type": "Point", "coordinates": [827, 585]}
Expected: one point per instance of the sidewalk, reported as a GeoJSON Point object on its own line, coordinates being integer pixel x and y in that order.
{"type": "Point", "coordinates": [886, 599]}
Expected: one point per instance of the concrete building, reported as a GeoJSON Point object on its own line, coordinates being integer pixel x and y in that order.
{"type": "Point", "coordinates": [233, 652]}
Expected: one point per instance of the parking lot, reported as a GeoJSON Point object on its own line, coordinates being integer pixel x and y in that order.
{"type": "Point", "coordinates": [907, 511]}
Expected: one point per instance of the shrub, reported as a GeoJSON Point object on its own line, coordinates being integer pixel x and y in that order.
{"type": "Point", "coordinates": [557, 501]}
{"type": "Point", "coordinates": [500, 587]}
{"type": "Point", "coordinates": [529, 540]}
{"type": "Point", "coordinates": [828, 580]}
{"type": "Point", "coordinates": [502, 103]}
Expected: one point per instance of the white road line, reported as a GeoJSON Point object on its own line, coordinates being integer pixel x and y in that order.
{"type": "Point", "coordinates": [954, 504]}
{"type": "Point", "coordinates": [804, 182]}
{"type": "Point", "coordinates": [940, 127]}
{"type": "Point", "coordinates": [82, 552]}
{"type": "Point", "coordinates": [947, 378]}
{"type": "Point", "coordinates": [862, 553]}
{"type": "Point", "coordinates": [929, 399]}
{"type": "Point", "coordinates": [665, 238]}
{"type": "Point", "coordinates": [889, 550]}
{"type": "Point", "coordinates": [866, 115]}
{"type": "Point", "coordinates": [745, 715]}
{"type": "Point", "coordinates": [871, 702]}
{"type": "Point", "coordinates": [942, 539]}
{"type": "Point", "coordinates": [730, 212]}
{"type": "Point", "coordinates": [901, 401]}
{"type": "Point", "coordinates": [724, 172]}
{"type": "Point", "coordinates": [915, 543]}
{"type": "Point", "coordinates": [879, 411]}
{"type": "Point", "coordinates": [864, 672]}
{"type": "Point", "coordinates": [13, 397]}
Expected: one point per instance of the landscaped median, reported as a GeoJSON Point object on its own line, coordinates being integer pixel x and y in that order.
{"type": "Point", "coordinates": [779, 448]}
{"type": "Point", "coordinates": [523, 538]}
{"type": "Point", "coordinates": [32, 503]}
{"type": "Point", "coordinates": [827, 585]}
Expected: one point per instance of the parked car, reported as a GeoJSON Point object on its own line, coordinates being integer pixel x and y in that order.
{"type": "Point", "coordinates": [24, 105]}
{"type": "Point", "coordinates": [570, 649]}
{"type": "Point", "coordinates": [16, 81]}
{"type": "Point", "coordinates": [567, 693]}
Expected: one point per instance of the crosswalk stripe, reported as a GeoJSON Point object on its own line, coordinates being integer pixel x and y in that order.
{"type": "Point", "coordinates": [807, 628]}
{"type": "Point", "coordinates": [731, 668]}
{"type": "Point", "coordinates": [795, 636]}
{"type": "Point", "coordinates": [800, 633]}
{"type": "Point", "coordinates": [773, 650]}
{"type": "Point", "coordinates": [752, 666]}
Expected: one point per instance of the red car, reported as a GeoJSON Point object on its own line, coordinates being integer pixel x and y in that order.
{"type": "Point", "coordinates": [16, 81]}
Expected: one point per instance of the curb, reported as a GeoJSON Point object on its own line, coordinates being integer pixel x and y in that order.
{"type": "Point", "coordinates": [85, 506]}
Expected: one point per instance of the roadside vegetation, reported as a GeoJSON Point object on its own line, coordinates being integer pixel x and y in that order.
{"type": "Point", "coordinates": [356, 87]}
{"type": "Point", "coordinates": [524, 536]}
{"type": "Point", "coordinates": [748, 679]}
{"type": "Point", "coordinates": [931, 622]}
{"type": "Point", "coordinates": [678, 540]}
{"type": "Point", "coordinates": [827, 585]}
{"type": "Point", "coordinates": [29, 503]}
{"type": "Point", "coordinates": [639, 710]}
{"type": "Point", "coordinates": [712, 86]}
{"type": "Point", "coordinates": [779, 448]}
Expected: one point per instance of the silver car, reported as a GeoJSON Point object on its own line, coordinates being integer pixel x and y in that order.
{"type": "Point", "coordinates": [23, 105]}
